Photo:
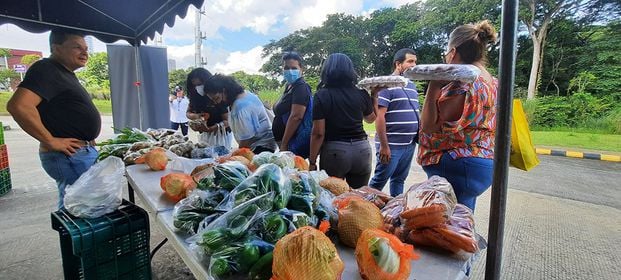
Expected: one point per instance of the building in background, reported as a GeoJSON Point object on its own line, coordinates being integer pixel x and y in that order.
{"type": "Point", "coordinates": [89, 44]}
{"type": "Point", "coordinates": [172, 65]}
{"type": "Point", "coordinates": [14, 62]}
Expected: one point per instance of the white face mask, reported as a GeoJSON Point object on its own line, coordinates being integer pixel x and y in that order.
{"type": "Point", "coordinates": [201, 90]}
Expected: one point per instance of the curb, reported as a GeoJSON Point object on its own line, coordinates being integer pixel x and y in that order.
{"type": "Point", "coordinates": [573, 154]}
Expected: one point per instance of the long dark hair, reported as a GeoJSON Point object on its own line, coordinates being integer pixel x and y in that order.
{"type": "Point", "coordinates": [201, 73]}
{"type": "Point", "coordinates": [223, 83]}
{"type": "Point", "coordinates": [338, 71]}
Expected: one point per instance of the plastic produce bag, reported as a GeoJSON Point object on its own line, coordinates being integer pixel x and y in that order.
{"type": "Point", "coordinates": [98, 191]}
{"type": "Point", "coordinates": [390, 213]}
{"type": "Point", "coordinates": [445, 72]}
{"type": "Point", "coordinates": [382, 82]}
{"type": "Point", "coordinates": [192, 210]}
{"type": "Point", "coordinates": [209, 152]}
{"type": "Point", "coordinates": [230, 174]}
{"type": "Point", "coordinates": [268, 178]}
{"type": "Point", "coordinates": [235, 226]}
{"type": "Point", "coordinates": [319, 175]}
{"type": "Point", "coordinates": [282, 159]}
{"type": "Point", "coordinates": [367, 193]}
{"type": "Point", "coordinates": [327, 215]}
{"type": "Point", "coordinates": [456, 236]}
{"type": "Point", "coordinates": [428, 204]}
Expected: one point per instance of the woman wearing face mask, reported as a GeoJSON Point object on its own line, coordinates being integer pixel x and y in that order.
{"type": "Point", "coordinates": [293, 112]}
{"type": "Point", "coordinates": [209, 108]}
{"type": "Point", "coordinates": [459, 119]}
{"type": "Point", "coordinates": [248, 118]}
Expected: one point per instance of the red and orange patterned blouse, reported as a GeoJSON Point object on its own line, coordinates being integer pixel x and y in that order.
{"type": "Point", "coordinates": [470, 136]}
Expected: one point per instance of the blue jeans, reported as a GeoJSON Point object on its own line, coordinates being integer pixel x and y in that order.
{"type": "Point", "coordinates": [470, 176]}
{"type": "Point", "coordinates": [66, 169]}
{"type": "Point", "coordinates": [396, 170]}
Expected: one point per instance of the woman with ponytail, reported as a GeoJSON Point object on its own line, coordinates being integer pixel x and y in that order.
{"type": "Point", "coordinates": [459, 119]}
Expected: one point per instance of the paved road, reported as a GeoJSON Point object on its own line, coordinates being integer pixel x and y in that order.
{"type": "Point", "coordinates": [562, 220]}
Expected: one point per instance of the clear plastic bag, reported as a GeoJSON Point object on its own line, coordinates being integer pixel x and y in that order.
{"type": "Point", "coordinates": [98, 191]}
{"type": "Point", "coordinates": [183, 164]}
{"type": "Point", "coordinates": [218, 243]}
{"type": "Point", "coordinates": [192, 210]}
{"type": "Point", "coordinates": [382, 82]}
{"type": "Point", "coordinates": [456, 236]}
{"type": "Point", "coordinates": [367, 193]}
{"type": "Point", "coordinates": [428, 204]}
{"type": "Point", "coordinates": [268, 178]}
{"type": "Point", "coordinates": [319, 175]}
{"type": "Point", "coordinates": [390, 213]}
{"type": "Point", "coordinates": [444, 72]}
{"type": "Point", "coordinates": [282, 159]}
{"type": "Point", "coordinates": [209, 152]}
{"type": "Point", "coordinates": [230, 174]}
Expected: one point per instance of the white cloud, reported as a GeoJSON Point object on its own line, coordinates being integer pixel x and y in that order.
{"type": "Point", "coordinates": [314, 14]}
{"type": "Point", "coordinates": [276, 18]}
{"type": "Point", "coordinates": [249, 62]}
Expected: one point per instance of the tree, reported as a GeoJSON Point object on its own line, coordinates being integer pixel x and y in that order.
{"type": "Point", "coordinates": [6, 75]}
{"type": "Point", "coordinates": [255, 83]}
{"type": "Point", "coordinates": [95, 74]}
{"type": "Point", "coordinates": [5, 53]}
{"type": "Point", "coordinates": [29, 59]}
{"type": "Point", "coordinates": [538, 15]}
{"type": "Point", "coordinates": [178, 78]}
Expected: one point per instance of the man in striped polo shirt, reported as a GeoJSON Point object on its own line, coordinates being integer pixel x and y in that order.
{"type": "Point", "coordinates": [396, 128]}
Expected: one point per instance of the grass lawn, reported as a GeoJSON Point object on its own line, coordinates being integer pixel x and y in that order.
{"type": "Point", "coordinates": [104, 106]}
{"type": "Point", "coordinates": [566, 139]}
{"type": "Point", "coordinates": [603, 142]}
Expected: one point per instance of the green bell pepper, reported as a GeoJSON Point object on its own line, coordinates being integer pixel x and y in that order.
{"type": "Point", "coordinates": [275, 228]}
{"type": "Point", "coordinates": [262, 269]}
{"type": "Point", "coordinates": [248, 257]}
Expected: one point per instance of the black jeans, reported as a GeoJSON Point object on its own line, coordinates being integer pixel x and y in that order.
{"type": "Point", "coordinates": [184, 127]}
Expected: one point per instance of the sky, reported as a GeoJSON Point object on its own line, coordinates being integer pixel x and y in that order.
{"type": "Point", "coordinates": [235, 31]}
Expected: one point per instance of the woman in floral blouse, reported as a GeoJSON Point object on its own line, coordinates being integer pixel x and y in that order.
{"type": "Point", "coordinates": [459, 119]}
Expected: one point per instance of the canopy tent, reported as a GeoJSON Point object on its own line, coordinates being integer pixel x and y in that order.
{"type": "Point", "coordinates": [135, 21]}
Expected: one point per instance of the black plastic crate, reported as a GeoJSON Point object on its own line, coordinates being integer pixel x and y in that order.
{"type": "Point", "coordinates": [114, 246]}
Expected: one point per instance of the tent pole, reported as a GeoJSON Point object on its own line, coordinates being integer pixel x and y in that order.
{"type": "Point", "coordinates": [138, 85]}
{"type": "Point", "coordinates": [503, 139]}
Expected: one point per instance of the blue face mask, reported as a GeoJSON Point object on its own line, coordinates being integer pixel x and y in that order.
{"type": "Point", "coordinates": [291, 75]}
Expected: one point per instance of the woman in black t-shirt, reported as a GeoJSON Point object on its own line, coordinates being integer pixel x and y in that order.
{"type": "Point", "coordinates": [292, 122]}
{"type": "Point", "coordinates": [338, 110]}
{"type": "Point", "coordinates": [209, 109]}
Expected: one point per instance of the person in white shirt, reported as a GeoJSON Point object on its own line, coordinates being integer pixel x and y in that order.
{"type": "Point", "coordinates": [178, 104]}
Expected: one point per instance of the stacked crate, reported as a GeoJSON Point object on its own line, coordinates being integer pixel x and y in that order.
{"type": "Point", "coordinates": [5, 173]}
{"type": "Point", "coordinates": [114, 246]}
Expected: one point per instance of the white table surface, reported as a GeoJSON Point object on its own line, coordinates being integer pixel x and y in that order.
{"type": "Point", "coordinates": [146, 184]}
{"type": "Point", "coordinates": [430, 265]}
